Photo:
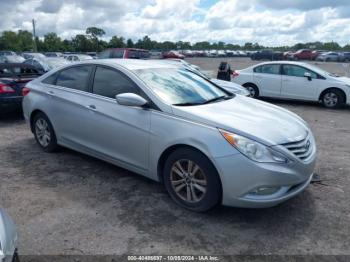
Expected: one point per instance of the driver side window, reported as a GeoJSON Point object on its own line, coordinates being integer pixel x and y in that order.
{"type": "Point", "coordinates": [109, 83]}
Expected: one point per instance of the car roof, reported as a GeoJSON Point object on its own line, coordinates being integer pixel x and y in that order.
{"type": "Point", "coordinates": [282, 62]}
{"type": "Point", "coordinates": [10, 65]}
{"type": "Point", "coordinates": [132, 64]}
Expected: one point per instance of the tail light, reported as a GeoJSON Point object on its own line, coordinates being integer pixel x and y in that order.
{"type": "Point", "coordinates": [25, 91]}
{"type": "Point", "coordinates": [235, 74]}
{"type": "Point", "coordinates": [6, 89]}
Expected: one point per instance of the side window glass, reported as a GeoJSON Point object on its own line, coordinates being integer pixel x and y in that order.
{"type": "Point", "coordinates": [298, 71]}
{"type": "Point", "coordinates": [75, 77]}
{"type": "Point", "coordinates": [51, 79]}
{"type": "Point", "coordinates": [109, 83]}
{"type": "Point", "coordinates": [268, 69]}
{"type": "Point", "coordinates": [117, 54]}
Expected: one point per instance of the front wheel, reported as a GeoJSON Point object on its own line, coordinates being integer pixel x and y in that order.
{"type": "Point", "coordinates": [252, 89]}
{"type": "Point", "coordinates": [333, 98]}
{"type": "Point", "coordinates": [191, 180]}
{"type": "Point", "coordinates": [44, 133]}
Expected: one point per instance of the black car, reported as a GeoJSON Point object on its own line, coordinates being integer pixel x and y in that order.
{"type": "Point", "coordinates": [267, 55]}
{"type": "Point", "coordinates": [13, 78]}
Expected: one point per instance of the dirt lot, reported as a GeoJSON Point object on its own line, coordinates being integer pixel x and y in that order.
{"type": "Point", "coordinates": [69, 203]}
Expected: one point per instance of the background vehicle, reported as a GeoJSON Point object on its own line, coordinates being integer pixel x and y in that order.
{"type": "Point", "coordinates": [78, 57]}
{"type": "Point", "coordinates": [316, 53]}
{"type": "Point", "coordinates": [124, 53]}
{"type": "Point", "coordinates": [8, 238]}
{"type": "Point", "coordinates": [329, 56]}
{"type": "Point", "coordinates": [173, 54]}
{"type": "Point", "coordinates": [295, 80]}
{"type": "Point", "coordinates": [28, 55]}
{"type": "Point", "coordinates": [344, 57]}
{"type": "Point", "coordinates": [46, 64]}
{"type": "Point", "coordinates": [203, 142]}
{"type": "Point", "coordinates": [302, 54]}
{"type": "Point", "coordinates": [11, 59]}
{"type": "Point", "coordinates": [13, 78]}
{"type": "Point", "coordinates": [53, 54]}
{"type": "Point", "coordinates": [7, 53]}
{"type": "Point", "coordinates": [267, 55]}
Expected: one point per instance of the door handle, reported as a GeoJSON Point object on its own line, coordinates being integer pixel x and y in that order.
{"type": "Point", "coordinates": [51, 93]}
{"type": "Point", "coordinates": [92, 107]}
{"type": "Point", "coordinates": [286, 80]}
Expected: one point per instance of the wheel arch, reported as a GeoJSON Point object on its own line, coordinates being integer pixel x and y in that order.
{"type": "Point", "coordinates": [333, 88]}
{"type": "Point", "coordinates": [166, 153]}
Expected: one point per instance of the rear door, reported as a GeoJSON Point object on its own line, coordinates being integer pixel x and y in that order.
{"type": "Point", "coordinates": [268, 79]}
{"type": "Point", "coordinates": [296, 86]}
{"type": "Point", "coordinates": [68, 94]}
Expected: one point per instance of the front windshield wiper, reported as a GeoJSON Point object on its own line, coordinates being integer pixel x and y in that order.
{"type": "Point", "coordinates": [188, 104]}
{"type": "Point", "coordinates": [217, 99]}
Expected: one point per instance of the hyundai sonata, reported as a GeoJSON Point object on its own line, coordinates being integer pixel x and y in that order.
{"type": "Point", "coordinates": [207, 145]}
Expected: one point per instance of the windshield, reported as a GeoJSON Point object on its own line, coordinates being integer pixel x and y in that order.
{"type": "Point", "coordinates": [178, 86]}
{"type": "Point", "coordinates": [320, 71]}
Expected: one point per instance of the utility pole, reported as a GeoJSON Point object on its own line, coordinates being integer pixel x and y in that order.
{"type": "Point", "coordinates": [34, 41]}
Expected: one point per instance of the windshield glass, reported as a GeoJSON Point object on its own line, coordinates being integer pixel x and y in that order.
{"type": "Point", "coordinates": [320, 71]}
{"type": "Point", "coordinates": [178, 86]}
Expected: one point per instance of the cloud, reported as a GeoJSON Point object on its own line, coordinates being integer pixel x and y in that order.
{"type": "Point", "coordinates": [268, 22]}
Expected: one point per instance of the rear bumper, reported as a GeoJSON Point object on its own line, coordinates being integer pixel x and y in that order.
{"type": "Point", "coordinates": [13, 102]}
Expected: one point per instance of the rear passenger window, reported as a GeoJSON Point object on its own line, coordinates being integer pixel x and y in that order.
{"type": "Point", "coordinates": [51, 79]}
{"type": "Point", "coordinates": [268, 69]}
{"type": "Point", "coordinates": [109, 83]}
{"type": "Point", "coordinates": [75, 77]}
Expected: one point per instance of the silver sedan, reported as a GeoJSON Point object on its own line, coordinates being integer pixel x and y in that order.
{"type": "Point", "coordinates": [8, 238]}
{"type": "Point", "coordinates": [207, 146]}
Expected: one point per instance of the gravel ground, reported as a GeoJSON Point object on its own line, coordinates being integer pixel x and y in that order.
{"type": "Point", "coordinates": [69, 203]}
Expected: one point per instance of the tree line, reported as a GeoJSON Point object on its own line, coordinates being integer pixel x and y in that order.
{"type": "Point", "coordinates": [92, 41]}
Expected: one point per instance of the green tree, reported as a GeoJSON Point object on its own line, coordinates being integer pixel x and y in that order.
{"type": "Point", "coordinates": [116, 42]}
{"type": "Point", "coordinates": [52, 42]}
{"type": "Point", "coordinates": [81, 43]}
{"type": "Point", "coordinates": [94, 33]}
{"type": "Point", "coordinates": [129, 43]}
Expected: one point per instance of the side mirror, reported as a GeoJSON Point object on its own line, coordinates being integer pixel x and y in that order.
{"type": "Point", "coordinates": [130, 99]}
{"type": "Point", "coordinates": [308, 76]}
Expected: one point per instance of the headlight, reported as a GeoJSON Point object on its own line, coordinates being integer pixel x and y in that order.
{"type": "Point", "coordinates": [253, 150]}
{"type": "Point", "coordinates": [347, 85]}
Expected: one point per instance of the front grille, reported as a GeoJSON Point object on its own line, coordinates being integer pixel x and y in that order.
{"type": "Point", "coordinates": [301, 149]}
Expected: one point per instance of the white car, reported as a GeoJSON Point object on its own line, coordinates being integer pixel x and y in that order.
{"type": "Point", "coordinates": [294, 80]}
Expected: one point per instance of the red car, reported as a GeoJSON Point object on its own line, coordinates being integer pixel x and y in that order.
{"type": "Point", "coordinates": [173, 54]}
{"type": "Point", "coordinates": [302, 54]}
{"type": "Point", "coordinates": [124, 53]}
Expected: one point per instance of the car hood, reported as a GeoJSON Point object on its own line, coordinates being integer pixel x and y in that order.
{"type": "Point", "coordinates": [257, 120]}
{"type": "Point", "coordinates": [345, 80]}
{"type": "Point", "coordinates": [230, 86]}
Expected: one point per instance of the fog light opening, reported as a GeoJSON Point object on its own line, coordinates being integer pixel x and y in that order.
{"type": "Point", "coordinates": [264, 191]}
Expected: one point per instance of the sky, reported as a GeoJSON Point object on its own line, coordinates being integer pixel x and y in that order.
{"type": "Point", "coordinates": [267, 22]}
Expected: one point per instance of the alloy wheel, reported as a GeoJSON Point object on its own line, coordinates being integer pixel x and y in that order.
{"type": "Point", "coordinates": [42, 132]}
{"type": "Point", "coordinates": [251, 91]}
{"type": "Point", "coordinates": [188, 181]}
{"type": "Point", "coordinates": [330, 99]}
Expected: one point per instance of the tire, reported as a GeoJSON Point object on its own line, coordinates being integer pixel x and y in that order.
{"type": "Point", "coordinates": [44, 133]}
{"type": "Point", "coordinates": [198, 191]}
{"type": "Point", "coordinates": [252, 89]}
{"type": "Point", "coordinates": [333, 98]}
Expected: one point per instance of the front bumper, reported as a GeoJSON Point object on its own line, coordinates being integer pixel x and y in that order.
{"type": "Point", "coordinates": [241, 176]}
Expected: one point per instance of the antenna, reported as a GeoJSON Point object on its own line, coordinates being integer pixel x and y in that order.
{"type": "Point", "coordinates": [34, 40]}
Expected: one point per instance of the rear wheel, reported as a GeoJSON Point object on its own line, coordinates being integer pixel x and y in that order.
{"type": "Point", "coordinates": [333, 98]}
{"type": "Point", "coordinates": [44, 133]}
{"type": "Point", "coordinates": [252, 89]}
{"type": "Point", "coordinates": [191, 180]}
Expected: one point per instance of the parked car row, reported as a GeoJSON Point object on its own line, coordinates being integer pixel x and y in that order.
{"type": "Point", "coordinates": [318, 55]}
